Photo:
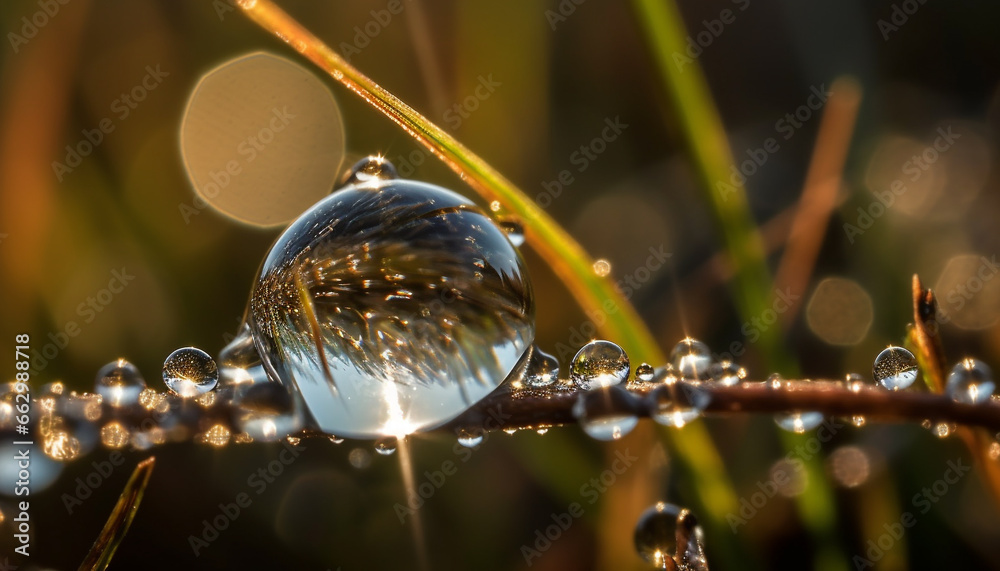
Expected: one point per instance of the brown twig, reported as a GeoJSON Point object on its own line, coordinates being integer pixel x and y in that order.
{"type": "Point", "coordinates": [503, 411]}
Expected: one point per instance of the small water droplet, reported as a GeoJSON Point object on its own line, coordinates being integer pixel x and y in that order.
{"type": "Point", "coordinates": [644, 373]}
{"type": "Point", "coordinates": [514, 230]}
{"type": "Point", "coordinates": [858, 420]}
{"type": "Point", "coordinates": [386, 446]}
{"type": "Point", "coordinates": [676, 404]}
{"type": "Point", "coordinates": [336, 440]}
{"type": "Point", "coordinates": [114, 435]}
{"type": "Point", "coordinates": [994, 450]}
{"type": "Point", "coordinates": [895, 368]}
{"type": "Point", "coordinates": [543, 370]}
{"type": "Point", "coordinates": [691, 359]}
{"type": "Point", "coordinates": [726, 373]}
{"type": "Point", "coordinates": [854, 382]}
{"type": "Point", "coordinates": [470, 437]}
{"type": "Point", "coordinates": [267, 412]}
{"type": "Point", "coordinates": [970, 382]}
{"type": "Point", "coordinates": [799, 422]}
{"type": "Point", "coordinates": [119, 383]}
{"type": "Point", "coordinates": [218, 435]}
{"type": "Point", "coordinates": [775, 381]}
{"type": "Point", "coordinates": [602, 267]}
{"type": "Point", "coordinates": [669, 537]}
{"type": "Point", "coordinates": [495, 206]}
{"type": "Point", "coordinates": [599, 364]}
{"type": "Point", "coordinates": [943, 429]}
{"type": "Point", "coordinates": [542, 431]}
{"type": "Point", "coordinates": [605, 413]}
{"type": "Point", "coordinates": [61, 445]}
{"type": "Point", "coordinates": [189, 372]}
{"type": "Point", "coordinates": [360, 458]}
{"type": "Point", "coordinates": [149, 399]}
{"type": "Point", "coordinates": [510, 431]}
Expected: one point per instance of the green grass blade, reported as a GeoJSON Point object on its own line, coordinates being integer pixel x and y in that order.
{"type": "Point", "coordinates": [751, 289]}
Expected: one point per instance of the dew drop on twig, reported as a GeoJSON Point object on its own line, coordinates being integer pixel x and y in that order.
{"type": "Point", "coordinates": [189, 372]}
{"type": "Point", "coordinates": [604, 413]}
{"type": "Point", "coordinates": [895, 368]}
{"type": "Point", "coordinates": [970, 382]}
{"type": "Point", "coordinates": [599, 364]}
{"type": "Point", "coordinates": [119, 383]}
{"type": "Point", "coordinates": [691, 359]}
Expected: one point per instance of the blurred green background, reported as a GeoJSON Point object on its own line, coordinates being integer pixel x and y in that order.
{"type": "Point", "coordinates": [62, 235]}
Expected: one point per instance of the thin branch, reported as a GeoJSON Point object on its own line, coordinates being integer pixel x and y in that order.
{"type": "Point", "coordinates": [504, 411]}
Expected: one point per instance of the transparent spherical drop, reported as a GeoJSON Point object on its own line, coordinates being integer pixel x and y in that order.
{"type": "Point", "coordinates": [267, 412]}
{"type": "Point", "coordinates": [599, 364]}
{"type": "Point", "coordinates": [691, 359]}
{"type": "Point", "coordinates": [726, 373]}
{"type": "Point", "coordinates": [386, 446]}
{"type": "Point", "coordinates": [606, 413]}
{"type": "Point", "coordinates": [895, 368]}
{"type": "Point", "coordinates": [644, 373]}
{"type": "Point", "coordinates": [970, 382]}
{"type": "Point", "coordinates": [471, 437]}
{"type": "Point", "coordinates": [114, 435]}
{"type": "Point", "coordinates": [514, 230]}
{"type": "Point", "coordinates": [669, 537]}
{"type": "Point", "coordinates": [391, 306]}
{"type": "Point", "coordinates": [543, 370]}
{"type": "Point", "coordinates": [189, 372]}
{"type": "Point", "coordinates": [799, 422]}
{"type": "Point", "coordinates": [119, 383]}
{"type": "Point", "coordinates": [677, 403]}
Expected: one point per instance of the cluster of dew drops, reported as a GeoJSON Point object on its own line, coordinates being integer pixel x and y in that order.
{"type": "Point", "coordinates": [124, 412]}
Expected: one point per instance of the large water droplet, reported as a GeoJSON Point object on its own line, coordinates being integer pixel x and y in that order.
{"type": "Point", "coordinates": [799, 422]}
{"type": "Point", "coordinates": [691, 359]}
{"type": "Point", "coordinates": [190, 372]}
{"type": "Point", "coordinates": [895, 368]}
{"type": "Point", "coordinates": [606, 413]}
{"type": "Point", "coordinates": [599, 364]}
{"type": "Point", "coordinates": [970, 382]}
{"type": "Point", "coordinates": [676, 403]}
{"type": "Point", "coordinates": [669, 537]}
{"type": "Point", "coordinates": [391, 306]}
{"type": "Point", "coordinates": [267, 412]}
{"type": "Point", "coordinates": [543, 370]}
{"type": "Point", "coordinates": [726, 373]}
{"type": "Point", "coordinates": [119, 383]}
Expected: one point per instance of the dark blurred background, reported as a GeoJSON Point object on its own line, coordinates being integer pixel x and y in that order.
{"type": "Point", "coordinates": [63, 234]}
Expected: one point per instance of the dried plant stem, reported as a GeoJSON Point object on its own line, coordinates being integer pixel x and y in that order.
{"type": "Point", "coordinates": [120, 519]}
{"type": "Point", "coordinates": [925, 338]}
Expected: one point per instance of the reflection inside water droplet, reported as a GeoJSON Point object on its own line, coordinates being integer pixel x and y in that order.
{"type": "Point", "coordinates": [189, 372]}
{"type": "Point", "coordinates": [391, 306]}
{"type": "Point", "coordinates": [599, 364]}
{"type": "Point", "coordinates": [895, 368]}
